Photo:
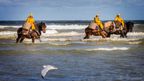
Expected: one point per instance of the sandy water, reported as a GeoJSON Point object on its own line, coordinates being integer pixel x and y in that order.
{"type": "Point", "coordinates": [95, 59]}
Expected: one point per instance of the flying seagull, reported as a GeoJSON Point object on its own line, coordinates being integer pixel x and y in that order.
{"type": "Point", "coordinates": [46, 68]}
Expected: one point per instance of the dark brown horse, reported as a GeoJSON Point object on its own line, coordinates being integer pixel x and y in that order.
{"type": "Point", "coordinates": [122, 32]}
{"type": "Point", "coordinates": [32, 34]}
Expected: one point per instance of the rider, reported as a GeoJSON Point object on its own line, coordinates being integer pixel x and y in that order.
{"type": "Point", "coordinates": [98, 22]}
{"type": "Point", "coordinates": [119, 19]}
{"type": "Point", "coordinates": [100, 25]}
{"type": "Point", "coordinates": [30, 20]}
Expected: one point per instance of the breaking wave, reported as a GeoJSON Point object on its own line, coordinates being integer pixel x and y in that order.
{"type": "Point", "coordinates": [52, 27]}
{"type": "Point", "coordinates": [108, 49]}
{"type": "Point", "coordinates": [60, 26]}
{"type": "Point", "coordinates": [5, 33]}
{"type": "Point", "coordinates": [55, 33]}
{"type": "Point", "coordinates": [63, 27]}
{"type": "Point", "coordinates": [49, 32]}
{"type": "Point", "coordinates": [9, 26]}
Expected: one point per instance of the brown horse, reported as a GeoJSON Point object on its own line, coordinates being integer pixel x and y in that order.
{"type": "Point", "coordinates": [32, 34]}
{"type": "Point", "coordinates": [89, 32]}
{"type": "Point", "coordinates": [119, 30]}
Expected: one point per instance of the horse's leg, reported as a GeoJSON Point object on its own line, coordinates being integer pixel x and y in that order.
{"type": "Point", "coordinates": [109, 34]}
{"type": "Point", "coordinates": [18, 38]}
{"type": "Point", "coordinates": [33, 39]}
{"type": "Point", "coordinates": [102, 34]}
{"type": "Point", "coordinates": [87, 36]}
{"type": "Point", "coordinates": [87, 33]}
{"type": "Point", "coordinates": [125, 31]}
{"type": "Point", "coordinates": [125, 34]}
{"type": "Point", "coordinates": [40, 39]}
{"type": "Point", "coordinates": [105, 33]}
{"type": "Point", "coordinates": [122, 34]}
{"type": "Point", "coordinates": [22, 38]}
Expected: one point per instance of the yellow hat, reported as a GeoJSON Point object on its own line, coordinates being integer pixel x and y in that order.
{"type": "Point", "coordinates": [97, 15]}
{"type": "Point", "coordinates": [30, 14]}
{"type": "Point", "coordinates": [118, 14]}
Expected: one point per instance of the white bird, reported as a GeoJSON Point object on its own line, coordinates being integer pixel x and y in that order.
{"type": "Point", "coordinates": [46, 69]}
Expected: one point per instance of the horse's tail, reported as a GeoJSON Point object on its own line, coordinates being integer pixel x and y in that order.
{"type": "Point", "coordinates": [19, 31]}
{"type": "Point", "coordinates": [87, 33]}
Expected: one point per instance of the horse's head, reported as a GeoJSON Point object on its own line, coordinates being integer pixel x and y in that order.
{"type": "Point", "coordinates": [43, 27]}
{"type": "Point", "coordinates": [129, 26]}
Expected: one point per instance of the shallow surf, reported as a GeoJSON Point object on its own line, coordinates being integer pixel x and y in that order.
{"type": "Point", "coordinates": [94, 59]}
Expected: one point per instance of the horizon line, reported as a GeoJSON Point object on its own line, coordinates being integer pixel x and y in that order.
{"type": "Point", "coordinates": [78, 20]}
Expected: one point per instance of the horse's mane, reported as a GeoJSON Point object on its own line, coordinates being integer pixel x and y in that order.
{"type": "Point", "coordinates": [38, 25]}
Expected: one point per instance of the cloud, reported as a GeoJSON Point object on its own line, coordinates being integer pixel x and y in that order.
{"type": "Point", "coordinates": [78, 9]}
{"type": "Point", "coordinates": [56, 2]}
{"type": "Point", "coordinates": [70, 3]}
{"type": "Point", "coordinates": [135, 2]}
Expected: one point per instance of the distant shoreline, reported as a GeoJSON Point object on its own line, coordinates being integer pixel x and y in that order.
{"type": "Point", "coordinates": [67, 20]}
{"type": "Point", "coordinates": [19, 22]}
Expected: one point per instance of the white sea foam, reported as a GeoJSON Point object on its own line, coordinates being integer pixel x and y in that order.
{"type": "Point", "coordinates": [60, 39]}
{"type": "Point", "coordinates": [54, 35]}
{"type": "Point", "coordinates": [137, 42]}
{"type": "Point", "coordinates": [123, 39]}
{"type": "Point", "coordinates": [57, 26]}
{"type": "Point", "coordinates": [135, 25]}
{"type": "Point", "coordinates": [111, 39]}
{"type": "Point", "coordinates": [135, 34]}
{"type": "Point", "coordinates": [54, 26]}
{"type": "Point", "coordinates": [108, 49]}
{"type": "Point", "coordinates": [60, 27]}
{"type": "Point", "coordinates": [12, 26]}
{"type": "Point", "coordinates": [59, 43]}
{"type": "Point", "coordinates": [71, 33]}
{"type": "Point", "coordinates": [43, 41]}
{"type": "Point", "coordinates": [49, 32]}
{"type": "Point", "coordinates": [5, 33]}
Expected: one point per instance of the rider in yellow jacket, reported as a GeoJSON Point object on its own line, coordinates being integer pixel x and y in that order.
{"type": "Point", "coordinates": [119, 19]}
{"type": "Point", "coordinates": [98, 22]}
{"type": "Point", "coordinates": [31, 21]}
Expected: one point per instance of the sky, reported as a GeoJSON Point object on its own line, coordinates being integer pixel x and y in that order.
{"type": "Point", "coordinates": [71, 9]}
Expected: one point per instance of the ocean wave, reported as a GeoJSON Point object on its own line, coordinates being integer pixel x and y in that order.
{"type": "Point", "coordinates": [60, 39]}
{"type": "Point", "coordinates": [59, 43]}
{"type": "Point", "coordinates": [62, 27]}
{"type": "Point", "coordinates": [49, 32]}
{"type": "Point", "coordinates": [5, 33]}
{"type": "Point", "coordinates": [136, 34]}
{"type": "Point", "coordinates": [9, 26]}
{"type": "Point", "coordinates": [110, 39]}
{"type": "Point", "coordinates": [135, 25]}
{"type": "Point", "coordinates": [137, 42]}
{"type": "Point", "coordinates": [54, 35]}
{"type": "Point", "coordinates": [107, 49]}
{"type": "Point", "coordinates": [52, 27]}
{"type": "Point", "coordinates": [71, 33]}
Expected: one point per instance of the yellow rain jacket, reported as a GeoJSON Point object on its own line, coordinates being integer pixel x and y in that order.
{"type": "Point", "coordinates": [119, 19]}
{"type": "Point", "coordinates": [31, 20]}
{"type": "Point", "coordinates": [98, 22]}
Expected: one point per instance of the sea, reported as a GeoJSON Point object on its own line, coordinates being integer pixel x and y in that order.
{"type": "Point", "coordinates": [77, 59]}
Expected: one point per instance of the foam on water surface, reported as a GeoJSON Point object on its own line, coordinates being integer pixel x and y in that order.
{"type": "Point", "coordinates": [63, 27]}
{"type": "Point", "coordinates": [108, 49]}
